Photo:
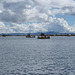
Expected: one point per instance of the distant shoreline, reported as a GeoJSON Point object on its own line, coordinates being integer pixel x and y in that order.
{"type": "Point", "coordinates": [38, 35]}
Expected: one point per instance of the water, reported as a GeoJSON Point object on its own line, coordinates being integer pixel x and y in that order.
{"type": "Point", "coordinates": [32, 56]}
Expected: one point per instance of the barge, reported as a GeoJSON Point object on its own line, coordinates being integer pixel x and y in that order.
{"type": "Point", "coordinates": [30, 36]}
{"type": "Point", "coordinates": [43, 36]}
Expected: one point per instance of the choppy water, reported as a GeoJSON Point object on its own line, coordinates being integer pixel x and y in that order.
{"type": "Point", "coordinates": [22, 56]}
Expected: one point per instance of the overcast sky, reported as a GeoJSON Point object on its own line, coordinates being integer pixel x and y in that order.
{"type": "Point", "coordinates": [22, 16]}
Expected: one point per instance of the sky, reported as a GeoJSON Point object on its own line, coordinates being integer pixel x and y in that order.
{"type": "Point", "coordinates": [31, 16]}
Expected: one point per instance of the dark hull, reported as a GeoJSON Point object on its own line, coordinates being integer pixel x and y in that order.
{"type": "Point", "coordinates": [30, 37]}
{"type": "Point", "coordinates": [43, 37]}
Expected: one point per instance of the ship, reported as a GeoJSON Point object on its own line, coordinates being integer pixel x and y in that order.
{"type": "Point", "coordinates": [30, 36]}
{"type": "Point", "coordinates": [43, 36]}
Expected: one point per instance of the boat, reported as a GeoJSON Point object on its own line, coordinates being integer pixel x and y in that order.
{"type": "Point", "coordinates": [30, 36]}
{"type": "Point", "coordinates": [43, 36]}
{"type": "Point", "coordinates": [3, 35]}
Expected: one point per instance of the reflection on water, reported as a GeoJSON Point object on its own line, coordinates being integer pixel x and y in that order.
{"type": "Point", "coordinates": [24, 56]}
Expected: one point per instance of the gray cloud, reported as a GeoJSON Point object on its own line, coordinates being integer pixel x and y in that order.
{"type": "Point", "coordinates": [70, 10]}
{"type": "Point", "coordinates": [32, 10]}
{"type": "Point", "coordinates": [25, 11]}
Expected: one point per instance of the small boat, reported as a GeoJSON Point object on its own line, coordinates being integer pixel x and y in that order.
{"type": "Point", "coordinates": [3, 35]}
{"type": "Point", "coordinates": [43, 36]}
{"type": "Point", "coordinates": [30, 36]}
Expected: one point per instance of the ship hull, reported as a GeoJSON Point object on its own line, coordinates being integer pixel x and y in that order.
{"type": "Point", "coordinates": [43, 37]}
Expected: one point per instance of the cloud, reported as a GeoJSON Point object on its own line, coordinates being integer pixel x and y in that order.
{"type": "Point", "coordinates": [40, 11]}
{"type": "Point", "coordinates": [54, 24]}
{"type": "Point", "coordinates": [34, 10]}
{"type": "Point", "coordinates": [69, 10]}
